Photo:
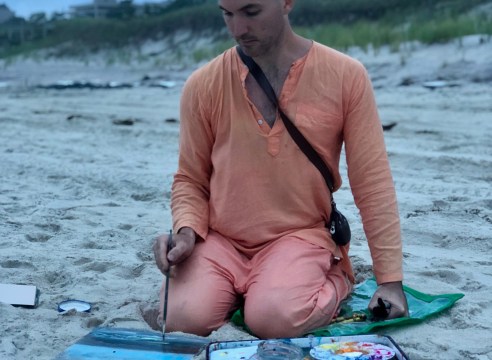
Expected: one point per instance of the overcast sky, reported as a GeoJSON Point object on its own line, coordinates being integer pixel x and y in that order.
{"type": "Point", "coordinates": [24, 8]}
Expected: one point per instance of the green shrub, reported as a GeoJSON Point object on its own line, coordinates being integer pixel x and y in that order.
{"type": "Point", "coordinates": [338, 23]}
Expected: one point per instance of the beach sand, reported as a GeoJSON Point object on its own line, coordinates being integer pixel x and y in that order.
{"type": "Point", "coordinates": [82, 195]}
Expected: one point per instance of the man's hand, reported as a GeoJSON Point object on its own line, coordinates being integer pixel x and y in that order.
{"type": "Point", "coordinates": [182, 246]}
{"type": "Point", "coordinates": [392, 294]}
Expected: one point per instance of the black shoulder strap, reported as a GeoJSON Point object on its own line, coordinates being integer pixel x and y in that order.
{"type": "Point", "coordinates": [299, 139]}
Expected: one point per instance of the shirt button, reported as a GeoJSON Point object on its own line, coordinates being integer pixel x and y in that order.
{"type": "Point", "coordinates": [260, 122]}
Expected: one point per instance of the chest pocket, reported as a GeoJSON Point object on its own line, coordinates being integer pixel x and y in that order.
{"type": "Point", "coordinates": [321, 126]}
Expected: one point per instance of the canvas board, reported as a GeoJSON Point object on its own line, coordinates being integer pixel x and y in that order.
{"type": "Point", "coordinates": [22, 295]}
{"type": "Point", "coordinates": [130, 344]}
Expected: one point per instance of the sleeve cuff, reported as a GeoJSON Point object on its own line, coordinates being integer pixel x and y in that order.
{"type": "Point", "coordinates": [385, 278]}
{"type": "Point", "coordinates": [200, 231]}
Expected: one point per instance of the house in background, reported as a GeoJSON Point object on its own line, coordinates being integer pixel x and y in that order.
{"type": "Point", "coordinates": [151, 8]}
{"type": "Point", "coordinates": [5, 13]}
{"type": "Point", "coordinates": [101, 8]}
{"type": "Point", "coordinates": [97, 9]}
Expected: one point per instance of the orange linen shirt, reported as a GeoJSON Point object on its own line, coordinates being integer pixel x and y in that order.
{"type": "Point", "coordinates": [252, 184]}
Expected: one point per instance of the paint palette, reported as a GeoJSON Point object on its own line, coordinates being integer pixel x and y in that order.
{"type": "Point", "coordinates": [129, 344]}
{"type": "Point", "coordinates": [352, 350]}
{"type": "Point", "coordinates": [360, 347]}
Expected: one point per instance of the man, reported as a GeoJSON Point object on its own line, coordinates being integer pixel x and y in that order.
{"type": "Point", "coordinates": [249, 209]}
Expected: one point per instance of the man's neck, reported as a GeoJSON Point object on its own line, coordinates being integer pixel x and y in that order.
{"type": "Point", "coordinates": [277, 63]}
{"type": "Point", "coordinates": [280, 58]}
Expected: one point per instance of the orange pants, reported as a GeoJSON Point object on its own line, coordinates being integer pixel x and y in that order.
{"type": "Point", "coordinates": [289, 288]}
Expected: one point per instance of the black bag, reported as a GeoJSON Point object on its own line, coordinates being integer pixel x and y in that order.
{"type": "Point", "coordinates": [338, 225]}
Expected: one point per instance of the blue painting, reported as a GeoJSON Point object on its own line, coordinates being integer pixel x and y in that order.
{"type": "Point", "coordinates": [128, 344]}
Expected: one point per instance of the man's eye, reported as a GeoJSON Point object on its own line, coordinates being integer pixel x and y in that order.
{"type": "Point", "coordinates": [226, 13]}
{"type": "Point", "coordinates": [252, 13]}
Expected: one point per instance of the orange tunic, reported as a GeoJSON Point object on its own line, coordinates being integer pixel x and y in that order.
{"type": "Point", "coordinates": [252, 184]}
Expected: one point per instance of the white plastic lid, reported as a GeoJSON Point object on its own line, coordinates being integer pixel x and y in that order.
{"type": "Point", "coordinates": [78, 305]}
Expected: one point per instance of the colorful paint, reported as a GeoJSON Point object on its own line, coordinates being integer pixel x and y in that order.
{"type": "Point", "coordinates": [352, 351]}
{"type": "Point", "coordinates": [362, 347]}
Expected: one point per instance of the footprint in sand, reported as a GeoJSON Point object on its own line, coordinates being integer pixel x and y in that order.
{"type": "Point", "coordinates": [16, 264]}
{"type": "Point", "coordinates": [145, 197]}
{"type": "Point", "coordinates": [450, 277]}
{"type": "Point", "coordinates": [99, 267]}
{"type": "Point", "coordinates": [54, 228]}
{"type": "Point", "coordinates": [125, 227]}
{"type": "Point", "coordinates": [58, 279]}
{"type": "Point", "coordinates": [131, 272]}
{"type": "Point", "coordinates": [38, 237]}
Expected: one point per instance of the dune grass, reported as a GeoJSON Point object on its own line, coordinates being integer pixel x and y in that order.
{"type": "Point", "coordinates": [376, 34]}
{"type": "Point", "coordinates": [346, 23]}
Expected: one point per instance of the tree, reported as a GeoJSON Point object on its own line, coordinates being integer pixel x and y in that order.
{"type": "Point", "coordinates": [57, 16]}
{"type": "Point", "coordinates": [38, 18]}
{"type": "Point", "coordinates": [124, 10]}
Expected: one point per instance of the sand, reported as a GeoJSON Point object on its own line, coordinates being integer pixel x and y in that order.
{"type": "Point", "coordinates": [82, 195]}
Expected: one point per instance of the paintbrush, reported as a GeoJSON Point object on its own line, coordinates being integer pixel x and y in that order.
{"type": "Point", "coordinates": [166, 288]}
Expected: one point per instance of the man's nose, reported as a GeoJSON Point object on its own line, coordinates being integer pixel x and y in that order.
{"type": "Point", "coordinates": [239, 27]}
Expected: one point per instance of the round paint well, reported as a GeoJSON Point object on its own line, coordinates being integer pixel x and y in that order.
{"type": "Point", "coordinates": [77, 305]}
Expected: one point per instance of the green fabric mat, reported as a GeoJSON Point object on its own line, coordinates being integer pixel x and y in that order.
{"type": "Point", "coordinates": [421, 307]}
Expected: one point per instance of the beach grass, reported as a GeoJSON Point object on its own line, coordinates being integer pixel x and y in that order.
{"type": "Point", "coordinates": [334, 23]}
{"type": "Point", "coordinates": [376, 34]}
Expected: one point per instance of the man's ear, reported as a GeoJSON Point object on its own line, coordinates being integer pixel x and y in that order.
{"type": "Point", "coordinates": [288, 6]}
